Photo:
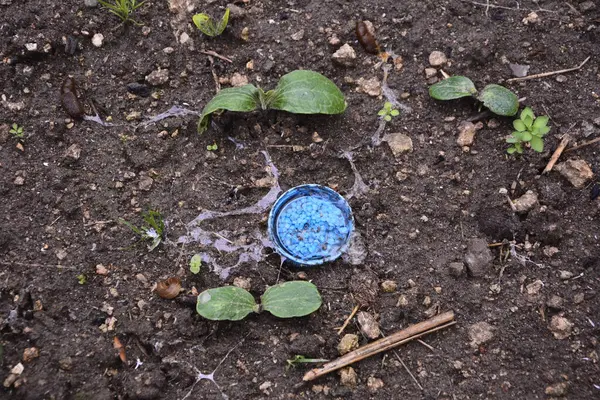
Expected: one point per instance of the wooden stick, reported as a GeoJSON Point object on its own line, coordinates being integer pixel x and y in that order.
{"type": "Point", "coordinates": [214, 54]}
{"type": "Point", "coordinates": [544, 74]}
{"type": "Point", "coordinates": [412, 332]}
{"type": "Point", "coordinates": [563, 143]}
{"type": "Point", "coordinates": [354, 310]}
{"type": "Point", "coordinates": [583, 144]}
{"type": "Point", "coordinates": [488, 5]}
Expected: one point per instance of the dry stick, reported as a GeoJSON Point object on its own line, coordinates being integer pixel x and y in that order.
{"type": "Point", "coordinates": [408, 370]}
{"type": "Point", "coordinates": [563, 143]}
{"type": "Point", "coordinates": [412, 332]}
{"type": "Point", "coordinates": [354, 310]}
{"type": "Point", "coordinates": [583, 145]}
{"type": "Point", "coordinates": [212, 53]}
{"type": "Point", "coordinates": [488, 5]}
{"type": "Point", "coordinates": [544, 74]}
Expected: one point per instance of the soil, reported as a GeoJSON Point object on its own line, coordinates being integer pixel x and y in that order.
{"type": "Point", "coordinates": [61, 210]}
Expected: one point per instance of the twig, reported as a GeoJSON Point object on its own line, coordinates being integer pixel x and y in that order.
{"type": "Point", "coordinates": [426, 345]}
{"type": "Point", "coordinates": [412, 332]}
{"type": "Point", "coordinates": [563, 143]}
{"type": "Point", "coordinates": [544, 74]}
{"type": "Point", "coordinates": [408, 370]}
{"type": "Point", "coordinates": [35, 265]}
{"type": "Point", "coordinates": [354, 310]}
{"type": "Point", "coordinates": [584, 144]}
{"type": "Point", "coordinates": [488, 5]}
{"type": "Point", "coordinates": [212, 53]}
{"type": "Point", "coordinates": [214, 74]}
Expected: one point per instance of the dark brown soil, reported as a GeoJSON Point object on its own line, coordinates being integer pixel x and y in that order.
{"type": "Point", "coordinates": [60, 214]}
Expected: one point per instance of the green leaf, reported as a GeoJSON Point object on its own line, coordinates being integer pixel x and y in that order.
{"type": "Point", "coordinates": [543, 130]}
{"type": "Point", "coordinates": [540, 122]}
{"type": "Point", "coordinates": [528, 121]}
{"type": "Point", "coordinates": [519, 148]}
{"type": "Point", "coordinates": [195, 263]}
{"type": "Point", "coordinates": [225, 303]}
{"type": "Point", "coordinates": [527, 112]}
{"type": "Point", "coordinates": [307, 92]}
{"type": "Point", "coordinates": [511, 150]}
{"type": "Point", "coordinates": [454, 87]}
{"type": "Point", "coordinates": [518, 136]}
{"type": "Point", "coordinates": [537, 144]}
{"type": "Point", "coordinates": [205, 23]}
{"type": "Point", "coordinates": [382, 112]}
{"type": "Point", "coordinates": [499, 100]}
{"type": "Point", "coordinates": [223, 23]}
{"type": "Point", "coordinates": [512, 139]}
{"type": "Point", "coordinates": [526, 136]}
{"type": "Point", "coordinates": [291, 299]}
{"type": "Point", "coordinates": [388, 118]}
{"type": "Point", "coordinates": [394, 113]}
{"type": "Point", "coordinates": [519, 125]}
{"type": "Point", "coordinates": [244, 98]}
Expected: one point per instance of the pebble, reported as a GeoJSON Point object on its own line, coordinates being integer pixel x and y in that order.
{"type": "Point", "coordinates": [345, 56]}
{"type": "Point", "coordinates": [519, 70]}
{"type": "Point", "coordinates": [133, 116]}
{"type": "Point", "coordinates": [478, 257]}
{"type": "Point", "coordinates": [533, 289]}
{"type": "Point", "coordinates": [66, 364]}
{"type": "Point", "coordinates": [348, 377]}
{"type": "Point", "coordinates": [370, 86]}
{"type": "Point", "coordinates": [561, 78]}
{"type": "Point", "coordinates": [73, 153]}
{"type": "Point", "coordinates": [402, 301]}
{"type": "Point", "coordinates": [90, 3]}
{"type": "Point", "coordinates": [158, 77]}
{"type": "Point", "coordinates": [19, 181]}
{"type": "Point", "coordinates": [480, 333]}
{"type": "Point", "coordinates": [467, 131]}
{"type": "Point", "coordinates": [437, 58]}
{"type": "Point", "coordinates": [430, 72]}
{"type": "Point", "coordinates": [399, 143]}
{"type": "Point", "coordinates": [348, 343]}
{"type": "Point", "coordinates": [30, 353]}
{"type": "Point", "coordinates": [184, 38]}
{"type": "Point", "coordinates": [242, 282]}
{"type": "Point", "coordinates": [526, 202]}
{"type": "Point", "coordinates": [565, 275]}
{"type": "Point", "coordinates": [555, 302]}
{"type": "Point", "coordinates": [578, 172]}
{"type": "Point", "coordinates": [139, 89]}
{"type": "Point", "coordinates": [557, 390]}
{"type": "Point", "coordinates": [374, 384]}
{"type": "Point", "coordinates": [531, 18]}
{"type": "Point", "coordinates": [456, 269]}
{"type": "Point", "coordinates": [389, 286]}
{"type": "Point", "coordinates": [299, 35]}
{"type": "Point", "coordinates": [98, 39]}
{"type": "Point", "coordinates": [368, 325]}
{"type": "Point", "coordinates": [145, 183]}
{"type": "Point", "coordinates": [561, 327]}
{"type": "Point", "coordinates": [238, 80]}
{"type": "Point", "coordinates": [101, 270]}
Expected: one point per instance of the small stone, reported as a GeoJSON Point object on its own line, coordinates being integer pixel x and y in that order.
{"type": "Point", "coordinates": [242, 282]}
{"type": "Point", "coordinates": [374, 384]}
{"type": "Point", "coordinates": [101, 270]}
{"type": "Point", "coordinates": [578, 172]}
{"type": "Point", "coordinates": [430, 72]}
{"type": "Point", "coordinates": [401, 176]}
{"type": "Point", "coordinates": [348, 377]}
{"type": "Point", "coordinates": [368, 325]}
{"type": "Point", "coordinates": [557, 390]}
{"type": "Point", "coordinates": [550, 251]}
{"type": "Point", "coordinates": [480, 333]}
{"type": "Point", "coordinates": [370, 86]}
{"type": "Point", "coordinates": [533, 289]}
{"type": "Point", "coordinates": [145, 183]}
{"type": "Point", "coordinates": [526, 202]}
{"type": "Point", "coordinates": [98, 39]}
{"type": "Point", "coordinates": [238, 80]}
{"type": "Point", "coordinates": [316, 138]}
{"type": "Point", "coordinates": [133, 116]}
{"type": "Point", "coordinates": [90, 3]}
{"type": "Point", "coordinates": [73, 153]}
{"type": "Point", "coordinates": [531, 18]}
{"type": "Point", "coordinates": [66, 364]}
{"type": "Point", "coordinates": [348, 343]}
{"type": "Point", "coordinates": [402, 301]}
{"type": "Point", "coordinates": [555, 302]}
{"type": "Point", "coordinates": [139, 89]}
{"type": "Point", "coordinates": [19, 181]}
{"type": "Point", "coordinates": [388, 286]}
{"type": "Point", "coordinates": [587, 6]}
{"type": "Point", "coordinates": [519, 70]}
{"type": "Point", "coordinates": [478, 257]}
{"type": "Point", "coordinates": [560, 78]}
{"type": "Point", "coordinates": [565, 275]}
{"type": "Point", "coordinates": [30, 353]}
{"type": "Point", "coordinates": [493, 123]}
{"type": "Point", "coordinates": [456, 269]}
{"type": "Point", "coordinates": [298, 35]}
{"type": "Point", "coordinates": [578, 298]}
{"type": "Point", "coordinates": [184, 38]}
{"type": "Point", "coordinates": [265, 387]}
{"type": "Point", "coordinates": [399, 143]}
{"type": "Point", "coordinates": [467, 131]}
{"type": "Point", "coordinates": [437, 59]}
{"type": "Point", "coordinates": [168, 50]}
{"type": "Point", "coordinates": [334, 40]}
{"type": "Point", "coordinates": [344, 56]}
{"type": "Point", "coordinates": [142, 278]}
{"type": "Point", "coordinates": [561, 327]}
{"type": "Point", "coordinates": [158, 77]}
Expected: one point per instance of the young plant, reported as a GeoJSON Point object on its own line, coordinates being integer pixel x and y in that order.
{"type": "Point", "coordinates": [209, 26]}
{"type": "Point", "coordinates": [298, 359]}
{"type": "Point", "coordinates": [82, 279]}
{"type": "Point", "coordinates": [387, 112]}
{"type": "Point", "coordinates": [212, 147]}
{"type": "Point", "coordinates": [123, 9]}
{"type": "Point", "coordinates": [299, 92]}
{"type": "Point", "coordinates": [286, 300]}
{"type": "Point", "coordinates": [17, 132]}
{"type": "Point", "coordinates": [497, 98]}
{"type": "Point", "coordinates": [195, 264]}
{"type": "Point", "coordinates": [152, 231]}
{"type": "Point", "coordinates": [529, 129]}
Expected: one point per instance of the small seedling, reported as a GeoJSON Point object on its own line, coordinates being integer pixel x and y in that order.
{"type": "Point", "coordinates": [387, 112]}
{"type": "Point", "coordinates": [153, 229]}
{"type": "Point", "coordinates": [17, 132]}
{"type": "Point", "coordinates": [195, 263]}
{"type": "Point", "coordinates": [123, 9]}
{"type": "Point", "coordinates": [298, 359]}
{"type": "Point", "coordinates": [529, 129]}
{"type": "Point", "coordinates": [497, 98]}
{"type": "Point", "coordinates": [299, 92]}
{"type": "Point", "coordinates": [286, 300]}
{"type": "Point", "coordinates": [209, 26]}
{"type": "Point", "coordinates": [82, 279]}
{"type": "Point", "coordinates": [212, 147]}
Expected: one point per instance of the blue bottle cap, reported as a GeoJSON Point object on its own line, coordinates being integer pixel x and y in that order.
{"type": "Point", "coordinates": [310, 224]}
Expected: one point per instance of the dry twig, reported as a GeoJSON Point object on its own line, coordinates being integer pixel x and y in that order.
{"type": "Point", "coordinates": [212, 53]}
{"type": "Point", "coordinates": [544, 74]}
{"type": "Point", "coordinates": [584, 144]}
{"type": "Point", "coordinates": [563, 143]}
{"type": "Point", "coordinates": [354, 310]}
{"type": "Point", "coordinates": [487, 6]}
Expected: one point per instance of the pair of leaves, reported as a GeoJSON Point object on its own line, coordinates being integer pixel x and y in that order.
{"type": "Point", "coordinates": [286, 300]}
{"type": "Point", "coordinates": [497, 98]}
{"type": "Point", "coordinates": [209, 26]}
{"type": "Point", "coordinates": [299, 92]}
{"type": "Point", "coordinates": [387, 112]}
{"type": "Point", "coordinates": [195, 263]}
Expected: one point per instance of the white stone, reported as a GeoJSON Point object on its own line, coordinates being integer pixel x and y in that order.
{"type": "Point", "coordinates": [98, 39]}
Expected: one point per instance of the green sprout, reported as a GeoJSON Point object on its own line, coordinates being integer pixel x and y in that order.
{"type": "Point", "coordinates": [123, 9]}
{"type": "Point", "coordinates": [82, 279]}
{"type": "Point", "coordinates": [17, 132]}
{"type": "Point", "coordinates": [212, 147]}
{"type": "Point", "coordinates": [387, 112]}
{"type": "Point", "coordinates": [209, 26]}
{"type": "Point", "coordinates": [195, 263]}
{"type": "Point", "coordinates": [153, 229]}
{"type": "Point", "coordinates": [298, 359]}
{"type": "Point", "coordinates": [529, 130]}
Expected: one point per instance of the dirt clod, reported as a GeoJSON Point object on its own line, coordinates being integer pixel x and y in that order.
{"type": "Point", "coordinates": [478, 257]}
{"type": "Point", "coordinates": [526, 202]}
{"type": "Point", "coordinates": [480, 333]}
{"type": "Point", "coordinates": [578, 172]}
{"type": "Point", "coordinates": [348, 377]}
{"type": "Point", "coordinates": [558, 389]}
{"type": "Point", "coordinates": [348, 343]}
{"type": "Point", "coordinates": [399, 143]}
{"type": "Point", "coordinates": [389, 286]}
{"type": "Point", "coordinates": [561, 327]}
{"type": "Point", "coordinates": [374, 384]}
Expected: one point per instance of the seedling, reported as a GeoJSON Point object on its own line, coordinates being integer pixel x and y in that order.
{"type": "Point", "coordinates": [195, 263]}
{"type": "Point", "coordinates": [212, 147]}
{"type": "Point", "coordinates": [209, 26]}
{"type": "Point", "coordinates": [17, 132]}
{"type": "Point", "coordinates": [153, 229]}
{"type": "Point", "coordinates": [82, 279]}
{"type": "Point", "coordinates": [497, 98]}
{"type": "Point", "coordinates": [298, 359]}
{"type": "Point", "coordinates": [529, 129]}
{"type": "Point", "coordinates": [387, 112]}
{"type": "Point", "coordinates": [123, 9]}
{"type": "Point", "coordinates": [299, 92]}
{"type": "Point", "coordinates": [286, 300]}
